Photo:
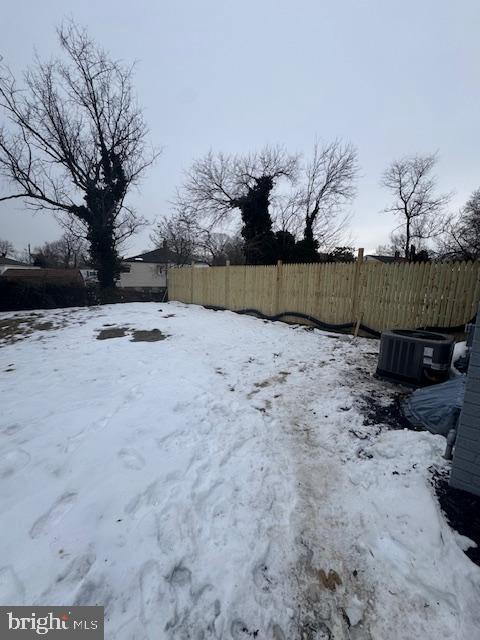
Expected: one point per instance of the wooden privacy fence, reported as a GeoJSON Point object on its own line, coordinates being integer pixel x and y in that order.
{"type": "Point", "coordinates": [377, 295]}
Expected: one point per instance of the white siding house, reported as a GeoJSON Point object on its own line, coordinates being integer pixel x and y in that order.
{"type": "Point", "coordinates": [147, 270]}
{"type": "Point", "coordinates": [139, 274]}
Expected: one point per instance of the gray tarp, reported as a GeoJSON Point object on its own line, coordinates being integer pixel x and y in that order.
{"type": "Point", "coordinates": [436, 408]}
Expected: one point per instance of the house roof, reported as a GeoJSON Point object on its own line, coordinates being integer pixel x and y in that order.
{"type": "Point", "coordinates": [159, 256]}
{"type": "Point", "coordinates": [386, 259]}
{"type": "Point", "coordinates": [13, 263]}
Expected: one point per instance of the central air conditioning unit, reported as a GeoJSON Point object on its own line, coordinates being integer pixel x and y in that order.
{"type": "Point", "coordinates": [414, 357]}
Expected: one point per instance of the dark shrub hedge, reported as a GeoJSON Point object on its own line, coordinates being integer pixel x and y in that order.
{"type": "Point", "coordinates": [111, 296]}
{"type": "Point", "coordinates": [17, 295]}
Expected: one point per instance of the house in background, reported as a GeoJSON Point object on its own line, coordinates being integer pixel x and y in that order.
{"type": "Point", "coordinates": [9, 263]}
{"type": "Point", "coordinates": [385, 259]}
{"type": "Point", "coordinates": [148, 271]}
{"type": "Point", "coordinates": [89, 274]}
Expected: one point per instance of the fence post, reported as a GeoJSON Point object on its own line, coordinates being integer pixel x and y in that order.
{"type": "Point", "coordinates": [278, 286]}
{"type": "Point", "coordinates": [191, 283]}
{"type": "Point", "coordinates": [356, 290]}
{"type": "Point", "coordinates": [227, 285]}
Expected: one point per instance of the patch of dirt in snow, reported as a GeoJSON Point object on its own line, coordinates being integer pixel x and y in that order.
{"type": "Point", "coordinates": [112, 332]}
{"type": "Point", "coordinates": [384, 411]}
{"type": "Point", "coordinates": [138, 335]}
{"type": "Point", "coordinates": [154, 335]}
{"type": "Point", "coordinates": [22, 325]}
{"type": "Point", "coordinates": [15, 329]}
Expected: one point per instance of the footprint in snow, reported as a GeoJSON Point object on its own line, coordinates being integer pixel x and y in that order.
{"type": "Point", "coordinates": [53, 516]}
{"type": "Point", "coordinates": [11, 429]}
{"type": "Point", "coordinates": [95, 591]}
{"type": "Point", "coordinates": [12, 590]}
{"type": "Point", "coordinates": [262, 578]}
{"type": "Point", "coordinates": [71, 577]}
{"type": "Point", "coordinates": [12, 461]}
{"type": "Point", "coordinates": [152, 495]}
{"type": "Point", "coordinates": [77, 569]}
{"type": "Point", "coordinates": [135, 393]}
{"type": "Point", "coordinates": [188, 606]}
{"type": "Point", "coordinates": [150, 591]}
{"type": "Point", "coordinates": [131, 459]}
{"type": "Point", "coordinates": [180, 576]}
{"type": "Point", "coordinates": [240, 631]}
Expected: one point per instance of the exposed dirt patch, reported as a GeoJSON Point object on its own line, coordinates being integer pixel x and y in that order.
{"type": "Point", "coordinates": [280, 378]}
{"type": "Point", "coordinates": [137, 335]}
{"type": "Point", "coordinates": [384, 414]}
{"type": "Point", "coordinates": [112, 332]}
{"type": "Point", "coordinates": [154, 335]}
{"type": "Point", "coordinates": [330, 581]}
{"type": "Point", "coordinates": [462, 510]}
{"type": "Point", "coordinates": [15, 329]}
{"type": "Point", "coordinates": [319, 617]}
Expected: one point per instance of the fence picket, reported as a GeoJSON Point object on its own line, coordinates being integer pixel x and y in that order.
{"type": "Point", "coordinates": [412, 295]}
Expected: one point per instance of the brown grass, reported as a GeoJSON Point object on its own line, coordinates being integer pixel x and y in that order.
{"type": "Point", "coordinates": [154, 335]}
{"type": "Point", "coordinates": [113, 332]}
{"type": "Point", "coordinates": [15, 329]}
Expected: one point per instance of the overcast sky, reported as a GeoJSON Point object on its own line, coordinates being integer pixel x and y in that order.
{"type": "Point", "coordinates": [394, 78]}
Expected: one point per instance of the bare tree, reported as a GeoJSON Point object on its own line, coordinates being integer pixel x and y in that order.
{"type": "Point", "coordinates": [218, 184]}
{"type": "Point", "coordinates": [273, 221]}
{"type": "Point", "coordinates": [386, 250]}
{"type": "Point", "coordinates": [234, 250]}
{"type": "Point", "coordinates": [6, 248]}
{"type": "Point", "coordinates": [328, 184]}
{"type": "Point", "coordinates": [76, 143]}
{"type": "Point", "coordinates": [217, 248]}
{"type": "Point", "coordinates": [396, 246]}
{"type": "Point", "coordinates": [414, 199]}
{"type": "Point", "coordinates": [287, 215]}
{"type": "Point", "coordinates": [179, 234]}
{"type": "Point", "coordinates": [24, 255]}
{"type": "Point", "coordinates": [461, 237]}
{"type": "Point", "coordinates": [69, 252]}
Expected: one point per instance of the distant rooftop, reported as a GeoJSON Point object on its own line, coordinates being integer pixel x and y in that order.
{"type": "Point", "coordinates": [13, 263]}
{"type": "Point", "coordinates": [159, 256]}
{"type": "Point", "coordinates": [163, 255]}
{"type": "Point", "coordinates": [386, 259]}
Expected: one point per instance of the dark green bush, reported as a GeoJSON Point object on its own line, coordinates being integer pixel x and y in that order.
{"type": "Point", "coordinates": [17, 295]}
{"type": "Point", "coordinates": [21, 295]}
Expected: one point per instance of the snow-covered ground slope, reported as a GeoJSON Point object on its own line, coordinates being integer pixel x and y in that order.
{"type": "Point", "coordinates": [219, 483]}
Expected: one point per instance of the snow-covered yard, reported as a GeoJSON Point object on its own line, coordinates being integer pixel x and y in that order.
{"type": "Point", "coordinates": [219, 483]}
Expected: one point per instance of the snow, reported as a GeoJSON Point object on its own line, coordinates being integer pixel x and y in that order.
{"type": "Point", "coordinates": [459, 351]}
{"type": "Point", "coordinates": [220, 483]}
